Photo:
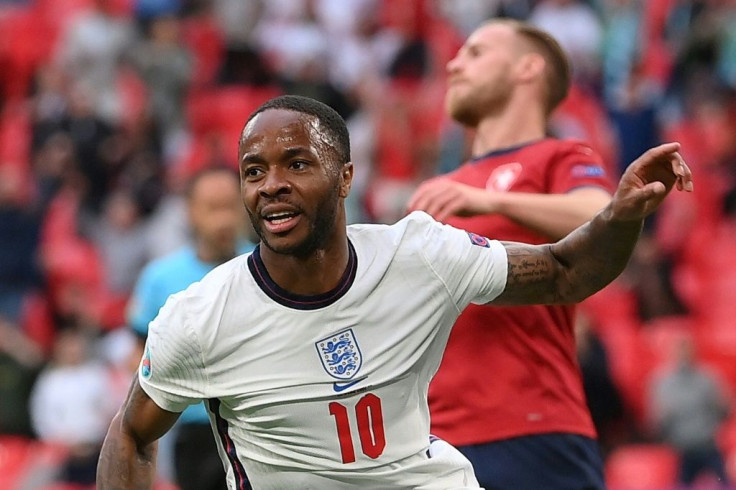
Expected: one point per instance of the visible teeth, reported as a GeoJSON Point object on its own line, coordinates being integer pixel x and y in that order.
{"type": "Point", "coordinates": [280, 220]}
{"type": "Point", "coordinates": [278, 215]}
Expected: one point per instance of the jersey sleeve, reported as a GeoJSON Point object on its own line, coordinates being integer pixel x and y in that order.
{"type": "Point", "coordinates": [577, 165]}
{"type": "Point", "coordinates": [172, 371]}
{"type": "Point", "coordinates": [472, 267]}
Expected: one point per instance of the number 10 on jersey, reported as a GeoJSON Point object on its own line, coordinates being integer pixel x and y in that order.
{"type": "Point", "coordinates": [369, 418]}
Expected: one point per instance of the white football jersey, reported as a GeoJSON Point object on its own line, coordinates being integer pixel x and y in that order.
{"type": "Point", "coordinates": [326, 391]}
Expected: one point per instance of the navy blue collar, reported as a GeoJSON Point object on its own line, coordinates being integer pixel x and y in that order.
{"type": "Point", "coordinates": [503, 151]}
{"type": "Point", "coordinates": [297, 301]}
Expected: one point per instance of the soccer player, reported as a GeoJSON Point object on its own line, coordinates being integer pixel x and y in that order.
{"type": "Point", "coordinates": [530, 426]}
{"type": "Point", "coordinates": [215, 217]}
{"type": "Point", "coordinates": [315, 351]}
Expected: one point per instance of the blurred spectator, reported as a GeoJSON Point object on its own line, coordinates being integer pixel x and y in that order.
{"type": "Point", "coordinates": [649, 277]}
{"type": "Point", "coordinates": [19, 239]}
{"type": "Point", "coordinates": [89, 134]}
{"type": "Point", "coordinates": [633, 112]}
{"type": "Point", "coordinates": [72, 405]}
{"type": "Point", "coordinates": [603, 397]}
{"type": "Point", "coordinates": [311, 80]}
{"type": "Point", "coordinates": [90, 53]}
{"type": "Point", "coordinates": [20, 362]}
{"type": "Point", "coordinates": [237, 20]}
{"type": "Point", "coordinates": [49, 103]}
{"type": "Point", "coordinates": [466, 15]}
{"type": "Point", "coordinates": [577, 27]}
{"type": "Point", "coordinates": [361, 56]}
{"type": "Point", "coordinates": [687, 408]}
{"type": "Point", "coordinates": [145, 10]}
{"type": "Point", "coordinates": [165, 65]}
{"type": "Point", "coordinates": [289, 36]}
{"type": "Point", "coordinates": [622, 46]}
{"type": "Point", "coordinates": [120, 236]}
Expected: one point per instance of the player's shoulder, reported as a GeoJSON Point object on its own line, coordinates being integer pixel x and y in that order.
{"type": "Point", "coordinates": [222, 274]}
{"type": "Point", "coordinates": [416, 222]}
{"type": "Point", "coordinates": [570, 147]}
{"type": "Point", "coordinates": [199, 301]}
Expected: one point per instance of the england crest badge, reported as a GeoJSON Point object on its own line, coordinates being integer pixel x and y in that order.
{"type": "Point", "coordinates": [340, 354]}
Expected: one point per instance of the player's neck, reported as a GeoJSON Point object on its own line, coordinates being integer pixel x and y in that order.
{"type": "Point", "coordinates": [318, 273]}
{"type": "Point", "coordinates": [509, 128]}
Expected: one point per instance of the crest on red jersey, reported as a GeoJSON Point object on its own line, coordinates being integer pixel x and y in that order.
{"type": "Point", "coordinates": [503, 177]}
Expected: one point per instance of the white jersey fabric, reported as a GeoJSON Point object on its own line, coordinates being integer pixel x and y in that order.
{"type": "Point", "coordinates": [326, 391]}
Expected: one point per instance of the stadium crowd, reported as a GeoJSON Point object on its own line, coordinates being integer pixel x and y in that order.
{"type": "Point", "coordinates": [108, 107]}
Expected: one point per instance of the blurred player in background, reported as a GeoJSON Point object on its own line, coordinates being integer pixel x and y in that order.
{"type": "Point", "coordinates": [217, 223]}
{"type": "Point", "coordinates": [509, 391]}
{"type": "Point", "coordinates": [314, 352]}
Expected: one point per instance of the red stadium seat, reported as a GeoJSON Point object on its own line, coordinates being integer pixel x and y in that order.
{"type": "Point", "coordinates": [37, 321]}
{"type": "Point", "coordinates": [204, 39]}
{"type": "Point", "coordinates": [15, 454]}
{"type": "Point", "coordinates": [26, 41]}
{"type": "Point", "coordinates": [642, 466]}
{"type": "Point", "coordinates": [216, 118]}
{"type": "Point", "coordinates": [661, 336]}
{"type": "Point", "coordinates": [630, 363]}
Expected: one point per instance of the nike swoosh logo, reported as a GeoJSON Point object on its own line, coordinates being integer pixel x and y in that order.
{"type": "Point", "coordinates": [338, 387]}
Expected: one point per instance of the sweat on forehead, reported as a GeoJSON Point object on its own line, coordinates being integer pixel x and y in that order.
{"type": "Point", "coordinates": [290, 125]}
{"type": "Point", "coordinates": [330, 125]}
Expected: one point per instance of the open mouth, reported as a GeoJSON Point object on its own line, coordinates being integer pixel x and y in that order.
{"type": "Point", "coordinates": [282, 217]}
{"type": "Point", "coordinates": [281, 221]}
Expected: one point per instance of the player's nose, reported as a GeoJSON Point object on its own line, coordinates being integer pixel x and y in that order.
{"type": "Point", "coordinates": [275, 182]}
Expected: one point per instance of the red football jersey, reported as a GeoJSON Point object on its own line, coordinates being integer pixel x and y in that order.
{"type": "Point", "coordinates": [513, 371]}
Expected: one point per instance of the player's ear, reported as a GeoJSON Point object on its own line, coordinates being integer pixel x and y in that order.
{"type": "Point", "coordinates": [346, 179]}
{"type": "Point", "coordinates": [531, 66]}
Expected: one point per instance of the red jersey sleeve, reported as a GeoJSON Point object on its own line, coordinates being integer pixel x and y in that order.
{"type": "Point", "coordinates": [576, 164]}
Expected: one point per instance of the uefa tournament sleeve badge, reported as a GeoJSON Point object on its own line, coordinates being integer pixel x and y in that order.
{"type": "Point", "coordinates": [146, 364]}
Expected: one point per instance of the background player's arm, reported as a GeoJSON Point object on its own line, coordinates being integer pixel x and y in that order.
{"type": "Point", "coordinates": [128, 457]}
{"type": "Point", "coordinates": [594, 254]}
{"type": "Point", "coordinates": [551, 215]}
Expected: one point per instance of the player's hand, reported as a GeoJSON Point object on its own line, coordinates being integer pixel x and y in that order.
{"type": "Point", "coordinates": [648, 180]}
{"type": "Point", "coordinates": [442, 198]}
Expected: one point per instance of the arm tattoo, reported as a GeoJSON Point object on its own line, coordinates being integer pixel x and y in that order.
{"type": "Point", "coordinates": [572, 269]}
{"type": "Point", "coordinates": [532, 271]}
{"type": "Point", "coordinates": [527, 267]}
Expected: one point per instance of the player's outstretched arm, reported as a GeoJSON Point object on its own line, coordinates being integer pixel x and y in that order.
{"type": "Point", "coordinates": [594, 254]}
{"type": "Point", "coordinates": [128, 457]}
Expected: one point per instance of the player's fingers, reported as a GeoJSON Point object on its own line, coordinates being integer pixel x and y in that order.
{"type": "Point", "coordinates": [657, 155]}
{"type": "Point", "coordinates": [641, 202]}
{"type": "Point", "coordinates": [653, 190]}
{"type": "Point", "coordinates": [420, 198]}
{"type": "Point", "coordinates": [662, 150]}
{"type": "Point", "coordinates": [416, 198]}
{"type": "Point", "coordinates": [439, 204]}
{"type": "Point", "coordinates": [682, 172]}
{"type": "Point", "coordinates": [449, 209]}
{"type": "Point", "coordinates": [425, 195]}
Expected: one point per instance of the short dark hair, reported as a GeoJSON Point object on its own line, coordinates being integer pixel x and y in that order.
{"type": "Point", "coordinates": [192, 181]}
{"type": "Point", "coordinates": [337, 130]}
{"type": "Point", "coordinates": [557, 69]}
